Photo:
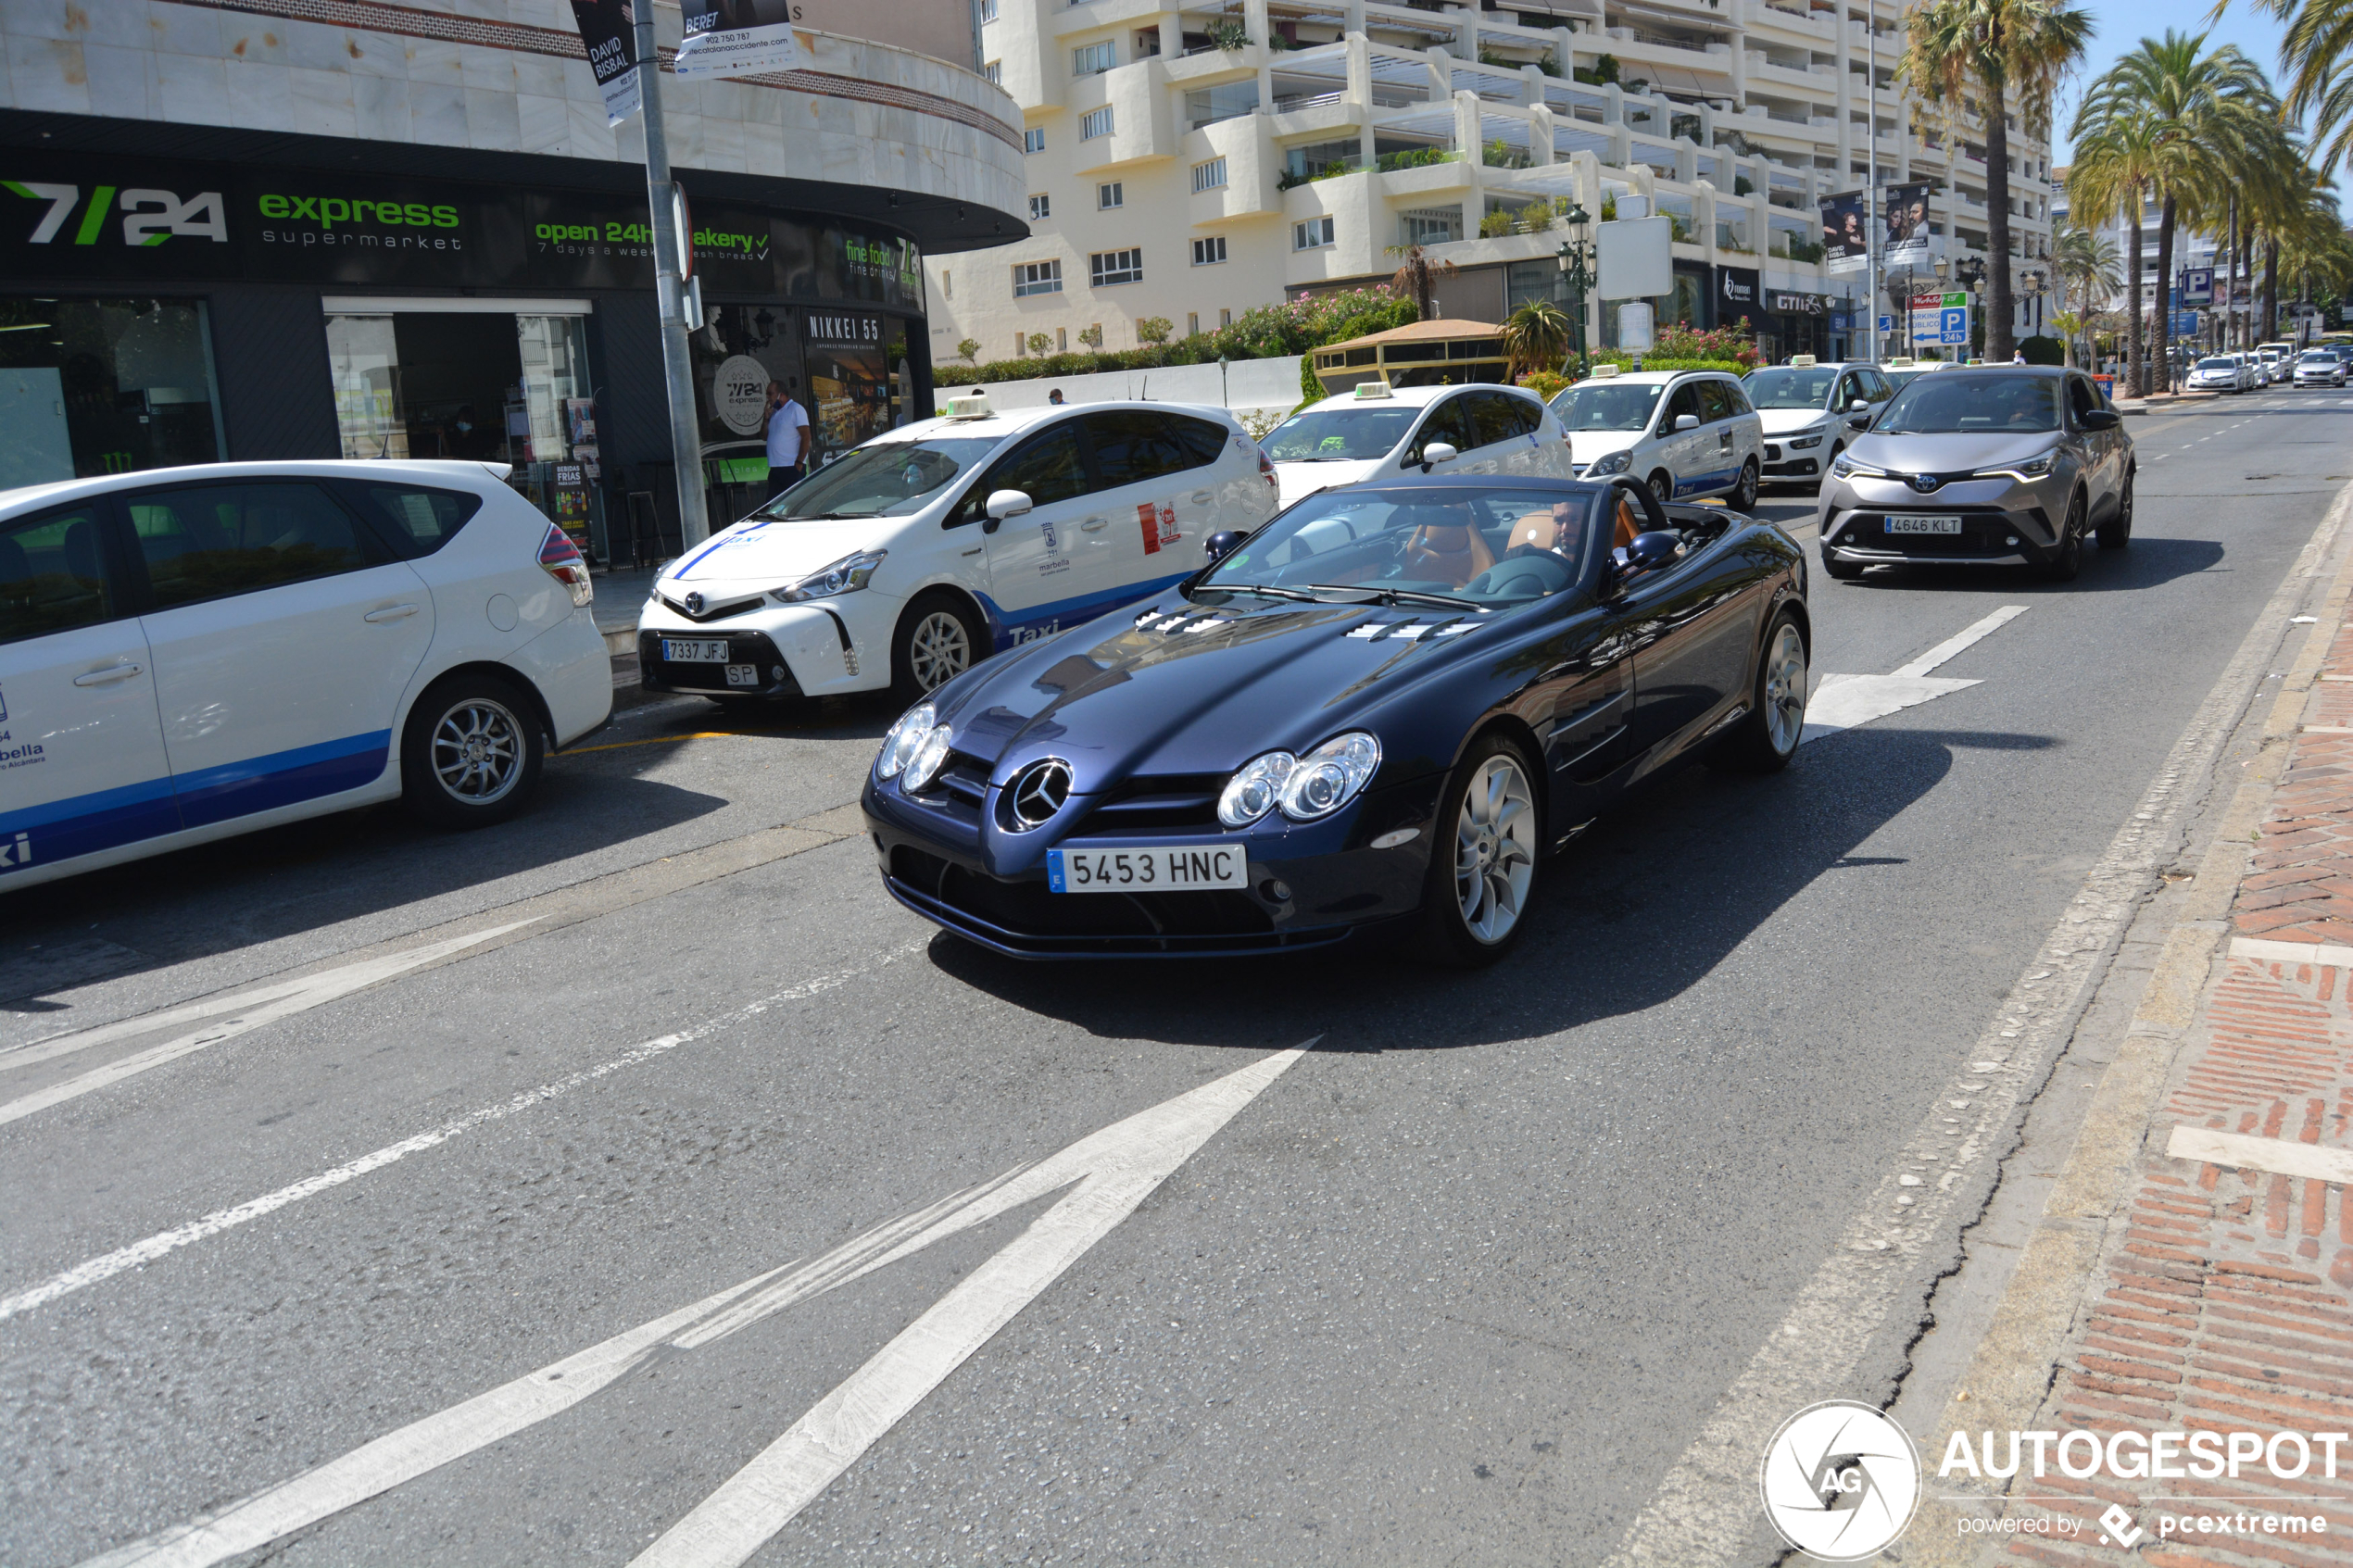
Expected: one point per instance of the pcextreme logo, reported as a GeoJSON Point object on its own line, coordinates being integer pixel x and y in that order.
{"type": "Point", "coordinates": [150, 216]}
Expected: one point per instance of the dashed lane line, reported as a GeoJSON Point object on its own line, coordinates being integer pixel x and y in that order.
{"type": "Point", "coordinates": [1102, 1178]}
{"type": "Point", "coordinates": [139, 1253]}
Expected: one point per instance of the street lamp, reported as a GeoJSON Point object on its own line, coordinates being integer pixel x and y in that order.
{"type": "Point", "coordinates": [1577, 276]}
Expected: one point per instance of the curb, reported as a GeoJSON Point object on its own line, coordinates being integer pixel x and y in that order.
{"type": "Point", "coordinates": [2011, 1371]}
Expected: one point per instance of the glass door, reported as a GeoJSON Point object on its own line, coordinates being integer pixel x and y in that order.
{"type": "Point", "coordinates": [551, 405]}
{"type": "Point", "coordinates": [365, 362]}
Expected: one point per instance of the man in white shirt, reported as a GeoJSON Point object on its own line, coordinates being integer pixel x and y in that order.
{"type": "Point", "coordinates": [788, 439]}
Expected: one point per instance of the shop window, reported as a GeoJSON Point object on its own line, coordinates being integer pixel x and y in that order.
{"type": "Point", "coordinates": [97, 386]}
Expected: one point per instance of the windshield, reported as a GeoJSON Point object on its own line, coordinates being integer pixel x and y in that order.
{"type": "Point", "coordinates": [1477, 548]}
{"type": "Point", "coordinates": [1332, 435]}
{"type": "Point", "coordinates": [1960, 402]}
{"type": "Point", "coordinates": [2217, 365]}
{"type": "Point", "coordinates": [1790, 389]}
{"type": "Point", "coordinates": [2316, 357]}
{"type": "Point", "coordinates": [1600, 405]}
{"type": "Point", "coordinates": [886, 479]}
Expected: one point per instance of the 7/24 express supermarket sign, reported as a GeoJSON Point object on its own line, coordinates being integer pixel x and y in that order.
{"type": "Point", "coordinates": [152, 221]}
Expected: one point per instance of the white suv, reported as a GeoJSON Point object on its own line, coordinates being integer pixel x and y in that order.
{"type": "Point", "coordinates": [911, 559]}
{"type": "Point", "coordinates": [1379, 432]}
{"type": "Point", "coordinates": [1686, 434]}
{"type": "Point", "coordinates": [1805, 406]}
{"type": "Point", "coordinates": [191, 653]}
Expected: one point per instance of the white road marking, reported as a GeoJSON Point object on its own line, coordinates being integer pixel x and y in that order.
{"type": "Point", "coordinates": [1107, 1173]}
{"type": "Point", "coordinates": [248, 1011]}
{"type": "Point", "coordinates": [2277, 1156]}
{"type": "Point", "coordinates": [1841, 702]}
{"type": "Point", "coordinates": [106, 1265]}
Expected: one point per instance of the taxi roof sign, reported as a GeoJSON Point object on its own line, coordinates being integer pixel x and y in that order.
{"type": "Point", "coordinates": [1369, 389]}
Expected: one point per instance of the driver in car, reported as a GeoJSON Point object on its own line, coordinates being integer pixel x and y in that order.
{"type": "Point", "coordinates": [1559, 531]}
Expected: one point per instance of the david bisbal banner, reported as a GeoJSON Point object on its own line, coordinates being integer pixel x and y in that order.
{"type": "Point", "coordinates": [609, 28]}
{"type": "Point", "coordinates": [737, 38]}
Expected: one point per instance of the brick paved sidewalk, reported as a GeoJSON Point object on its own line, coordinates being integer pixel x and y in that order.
{"type": "Point", "coordinates": [2227, 1296]}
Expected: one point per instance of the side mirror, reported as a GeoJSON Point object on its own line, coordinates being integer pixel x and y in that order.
{"type": "Point", "coordinates": [2101, 419]}
{"type": "Point", "coordinates": [1858, 421]}
{"type": "Point", "coordinates": [1223, 542]}
{"type": "Point", "coordinates": [1686, 422]}
{"type": "Point", "coordinates": [1003, 503]}
{"type": "Point", "coordinates": [1856, 406]}
{"type": "Point", "coordinates": [1436, 452]}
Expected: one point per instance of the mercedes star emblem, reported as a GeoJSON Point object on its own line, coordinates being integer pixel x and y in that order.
{"type": "Point", "coordinates": [1038, 791]}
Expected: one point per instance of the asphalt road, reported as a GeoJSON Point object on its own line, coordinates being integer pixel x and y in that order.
{"type": "Point", "coordinates": [1461, 1282]}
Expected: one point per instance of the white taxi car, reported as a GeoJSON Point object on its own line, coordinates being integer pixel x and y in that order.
{"type": "Point", "coordinates": [191, 653]}
{"type": "Point", "coordinates": [1686, 434]}
{"type": "Point", "coordinates": [1805, 406]}
{"type": "Point", "coordinates": [932, 547]}
{"type": "Point", "coordinates": [1378, 430]}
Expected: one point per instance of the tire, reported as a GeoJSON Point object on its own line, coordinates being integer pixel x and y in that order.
{"type": "Point", "coordinates": [2117, 532]}
{"type": "Point", "coordinates": [938, 639]}
{"type": "Point", "coordinates": [1662, 486]}
{"type": "Point", "coordinates": [471, 753]}
{"type": "Point", "coordinates": [1743, 496]}
{"type": "Point", "coordinates": [1839, 571]}
{"type": "Point", "coordinates": [2063, 567]}
{"type": "Point", "coordinates": [1490, 835]}
{"type": "Point", "coordinates": [1766, 737]}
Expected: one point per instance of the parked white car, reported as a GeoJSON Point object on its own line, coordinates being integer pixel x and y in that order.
{"type": "Point", "coordinates": [1687, 433]}
{"type": "Point", "coordinates": [932, 547]}
{"type": "Point", "coordinates": [191, 653]}
{"type": "Point", "coordinates": [1379, 431]}
{"type": "Point", "coordinates": [1805, 406]}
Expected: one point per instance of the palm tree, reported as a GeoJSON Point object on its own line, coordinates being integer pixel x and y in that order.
{"type": "Point", "coordinates": [1536, 337]}
{"type": "Point", "coordinates": [2085, 263]}
{"type": "Point", "coordinates": [1416, 277]}
{"type": "Point", "coordinates": [2010, 54]}
{"type": "Point", "coordinates": [2317, 54]}
{"type": "Point", "coordinates": [2205, 119]}
{"type": "Point", "coordinates": [2115, 164]}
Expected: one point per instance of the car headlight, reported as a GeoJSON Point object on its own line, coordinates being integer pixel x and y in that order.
{"type": "Point", "coordinates": [930, 752]}
{"type": "Point", "coordinates": [1616, 462]}
{"type": "Point", "coordinates": [2033, 467]}
{"type": "Point", "coordinates": [1253, 791]}
{"type": "Point", "coordinates": [845, 576]}
{"type": "Point", "coordinates": [1330, 776]}
{"type": "Point", "coordinates": [1847, 467]}
{"type": "Point", "coordinates": [905, 737]}
{"type": "Point", "coordinates": [1800, 442]}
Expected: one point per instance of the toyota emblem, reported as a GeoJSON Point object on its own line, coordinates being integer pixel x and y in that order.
{"type": "Point", "coordinates": [1039, 791]}
{"type": "Point", "coordinates": [694, 603]}
{"type": "Point", "coordinates": [1924, 482]}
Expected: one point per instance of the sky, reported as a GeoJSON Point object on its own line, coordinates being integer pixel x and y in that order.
{"type": "Point", "coordinates": [2121, 26]}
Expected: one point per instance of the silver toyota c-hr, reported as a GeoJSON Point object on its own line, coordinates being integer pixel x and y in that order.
{"type": "Point", "coordinates": [2002, 466]}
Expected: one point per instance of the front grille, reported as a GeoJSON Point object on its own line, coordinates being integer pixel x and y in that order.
{"type": "Point", "coordinates": [1984, 532]}
{"type": "Point", "coordinates": [1130, 922]}
{"type": "Point", "coordinates": [743, 647]}
{"type": "Point", "coordinates": [1154, 804]}
{"type": "Point", "coordinates": [964, 777]}
{"type": "Point", "coordinates": [713, 612]}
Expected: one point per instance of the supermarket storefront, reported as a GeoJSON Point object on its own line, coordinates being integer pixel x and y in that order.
{"type": "Point", "coordinates": [158, 312]}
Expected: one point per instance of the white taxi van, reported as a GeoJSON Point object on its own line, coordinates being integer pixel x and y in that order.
{"type": "Point", "coordinates": [1380, 432]}
{"type": "Point", "coordinates": [907, 561]}
{"type": "Point", "coordinates": [191, 653]}
{"type": "Point", "coordinates": [1686, 434]}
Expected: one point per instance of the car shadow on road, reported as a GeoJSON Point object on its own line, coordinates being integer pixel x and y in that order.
{"type": "Point", "coordinates": [2146, 563]}
{"type": "Point", "coordinates": [1646, 904]}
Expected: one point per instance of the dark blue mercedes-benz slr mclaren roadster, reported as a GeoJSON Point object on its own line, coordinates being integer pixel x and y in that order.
{"type": "Point", "coordinates": [1376, 715]}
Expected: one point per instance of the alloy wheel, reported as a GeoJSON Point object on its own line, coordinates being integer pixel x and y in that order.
{"type": "Point", "coordinates": [478, 751]}
{"type": "Point", "coordinates": [1494, 849]}
{"type": "Point", "coordinates": [1785, 689]}
{"type": "Point", "coordinates": [938, 650]}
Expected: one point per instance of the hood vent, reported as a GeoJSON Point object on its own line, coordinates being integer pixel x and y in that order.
{"type": "Point", "coordinates": [1413, 630]}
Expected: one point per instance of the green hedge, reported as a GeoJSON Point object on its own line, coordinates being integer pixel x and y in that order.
{"type": "Point", "coordinates": [2042, 350]}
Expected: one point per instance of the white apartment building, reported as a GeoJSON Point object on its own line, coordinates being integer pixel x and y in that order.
{"type": "Point", "coordinates": [1189, 162]}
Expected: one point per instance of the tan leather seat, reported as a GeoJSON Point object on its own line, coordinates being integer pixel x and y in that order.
{"type": "Point", "coordinates": [1450, 554]}
{"type": "Point", "coordinates": [1628, 524]}
{"type": "Point", "coordinates": [1536, 528]}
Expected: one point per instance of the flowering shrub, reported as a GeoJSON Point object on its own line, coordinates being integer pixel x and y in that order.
{"type": "Point", "coordinates": [1543, 383]}
{"type": "Point", "coordinates": [1677, 341]}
